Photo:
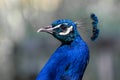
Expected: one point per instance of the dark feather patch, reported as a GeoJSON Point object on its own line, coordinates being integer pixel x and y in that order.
{"type": "Point", "coordinates": [95, 29]}
{"type": "Point", "coordinates": [67, 67]}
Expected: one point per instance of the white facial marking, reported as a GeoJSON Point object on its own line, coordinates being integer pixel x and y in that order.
{"type": "Point", "coordinates": [67, 31]}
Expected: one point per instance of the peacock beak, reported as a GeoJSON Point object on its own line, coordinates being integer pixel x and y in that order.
{"type": "Point", "coordinates": [48, 29]}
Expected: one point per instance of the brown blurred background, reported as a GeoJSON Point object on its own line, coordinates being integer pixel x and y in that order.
{"type": "Point", "coordinates": [23, 52]}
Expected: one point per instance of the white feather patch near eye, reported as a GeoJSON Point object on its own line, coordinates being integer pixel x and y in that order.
{"type": "Point", "coordinates": [57, 26]}
{"type": "Point", "coordinates": [67, 31]}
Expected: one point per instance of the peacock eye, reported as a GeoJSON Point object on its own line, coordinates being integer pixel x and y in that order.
{"type": "Point", "coordinates": [64, 27]}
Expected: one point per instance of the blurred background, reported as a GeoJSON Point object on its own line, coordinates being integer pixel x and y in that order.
{"type": "Point", "coordinates": [23, 52]}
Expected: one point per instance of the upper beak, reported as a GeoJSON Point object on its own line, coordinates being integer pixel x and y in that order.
{"type": "Point", "coordinates": [47, 29]}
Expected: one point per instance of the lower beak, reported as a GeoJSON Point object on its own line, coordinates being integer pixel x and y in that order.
{"type": "Point", "coordinates": [47, 29]}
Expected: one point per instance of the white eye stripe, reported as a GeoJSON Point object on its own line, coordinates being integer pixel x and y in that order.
{"type": "Point", "coordinates": [67, 31]}
{"type": "Point", "coordinates": [57, 26]}
{"type": "Point", "coordinates": [54, 27]}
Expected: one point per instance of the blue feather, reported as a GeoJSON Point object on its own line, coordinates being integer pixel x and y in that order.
{"type": "Point", "coordinates": [68, 62]}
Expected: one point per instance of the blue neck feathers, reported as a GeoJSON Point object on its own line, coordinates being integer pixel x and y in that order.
{"type": "Point", "coordinates": [68, 62]}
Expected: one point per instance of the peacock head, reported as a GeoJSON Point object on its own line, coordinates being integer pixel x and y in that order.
{"type": "Point", "coordinates": [63, 30]}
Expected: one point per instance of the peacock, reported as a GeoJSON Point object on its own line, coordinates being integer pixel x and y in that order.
{"type": "Point", "coordinates": [71, 58]}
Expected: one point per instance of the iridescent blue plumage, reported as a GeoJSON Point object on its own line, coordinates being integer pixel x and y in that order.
{"type": "Point", "coordinates": [66, 24]}
{"type": "Point", "coordinates": [70, 59]}
{"type": "Point", "coordinates": [68, 62]}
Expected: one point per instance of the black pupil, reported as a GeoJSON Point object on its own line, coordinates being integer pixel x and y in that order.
{"type": "Point", "coordinates": [63, 27]}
